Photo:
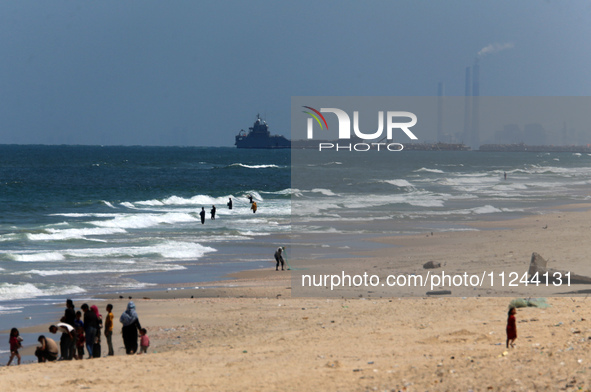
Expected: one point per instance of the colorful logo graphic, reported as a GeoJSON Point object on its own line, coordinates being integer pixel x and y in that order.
{"type": "Point", "coordinates": [388, 122]}
{"type": "Point", "coordinates": [316, 117]}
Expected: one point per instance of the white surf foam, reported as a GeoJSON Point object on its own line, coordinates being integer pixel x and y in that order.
{"type": "Point", "coordinates": [151, 267]}
{"type": "Point", "coordinates": [398, 183]}
{"type": "Point", "coordinates": [167, 249]}
{"type": "Point", "coordinates": [254, 166]}
{"type": "Point", "coordinates": [287, 191]}
{"type": "Point", "coordinates": [140, 221]}
{"type": "Point", "coordinates": [57, 235]}
{"type": "Point", "coordinates": [10, 310]}
{"type": "Point", "coordinates": [36, 257]}
{"type": "Point", "coordinates": [195, 201]}
{"type": "Point", "coordinates": [325, 192]}
{"type": "Point", "coordinates": [10, 291]}
{"type": "Point", "coordinates": [487, 209]}
{"type": "Point", "coordinates": [424, 169]}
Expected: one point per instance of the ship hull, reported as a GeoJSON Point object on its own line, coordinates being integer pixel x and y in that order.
{"type": "Point", "coordinates": [264, 142]}
{"type": "Point", "coordinates": [260, 137]}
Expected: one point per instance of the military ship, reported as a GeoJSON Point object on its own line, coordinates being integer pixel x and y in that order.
{"type": "Point", "coordinates": [258, 136]}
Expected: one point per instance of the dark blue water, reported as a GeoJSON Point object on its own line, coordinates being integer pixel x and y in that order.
{"type": "Point", "coordinates": [77, 220]}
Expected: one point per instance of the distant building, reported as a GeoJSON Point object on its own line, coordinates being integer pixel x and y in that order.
{"type": "Point", "coordinates": [534, 135]}
{"type": "Point", "coordinates": [510, 134]}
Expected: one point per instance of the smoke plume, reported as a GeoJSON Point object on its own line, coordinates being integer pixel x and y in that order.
{"type": "Point", "coordinates": [495, 48]}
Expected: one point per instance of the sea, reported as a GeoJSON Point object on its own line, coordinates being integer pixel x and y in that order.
{"type": "Point", "coordinates": [78, 221]}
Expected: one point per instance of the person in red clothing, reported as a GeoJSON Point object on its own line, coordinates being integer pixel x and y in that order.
{"type": "Point", "coordinates": [80, 342]}
{"type": "Point", "coordinates": [144, 341]}
{"type": "Point", "coordinates": [15, 343]}
{"type": "Point", "coordinates": [511, 328]}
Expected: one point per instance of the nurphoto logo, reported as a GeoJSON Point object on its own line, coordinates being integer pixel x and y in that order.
{"type": "Point", "coordinates": [395, 120]}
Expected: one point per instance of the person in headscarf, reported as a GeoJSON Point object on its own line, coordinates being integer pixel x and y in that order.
{"type": "Point", "coordinates": [96, 350]}
{"type": "Point", "coordinates": [131, 326]}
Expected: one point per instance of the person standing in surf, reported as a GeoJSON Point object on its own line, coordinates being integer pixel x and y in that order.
{"type": "Point", "coordinates": [213, 212]}
{"type": "Point", "coordinates": [202, 215]}
{"type": "Point", "coordinates": [279, 258]}
{"type": "Point", "coordinates": [230, 204]}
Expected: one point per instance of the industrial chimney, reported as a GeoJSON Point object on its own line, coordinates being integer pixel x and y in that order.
{"type": "Point", "coordinates": [475, 140]}
{"type": "Point", "coordinates": [467, 118]}
{"type": "Point", "coordinates": [440, 94]}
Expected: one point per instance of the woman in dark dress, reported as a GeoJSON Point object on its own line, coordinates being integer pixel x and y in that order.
{"type": "Point", "coordinates": [131, 326]}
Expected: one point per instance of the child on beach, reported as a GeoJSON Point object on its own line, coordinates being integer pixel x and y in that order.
{"type": "Point", "coordinates": [78, 322]}
{"type": "Point", "coordinates": [15, 343]}
{"type": "Point", "coordinates": [80, 340]}
{"type": "Point", "coordinates": [144, 341]}
{"type": "Point", "coordinates": [511, 328]}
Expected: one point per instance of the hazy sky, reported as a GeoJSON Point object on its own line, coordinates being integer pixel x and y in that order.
{"type": "Point", "coordinates": [195, 72]}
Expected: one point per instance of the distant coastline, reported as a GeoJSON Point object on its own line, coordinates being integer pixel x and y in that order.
{"type": "Point", "coordinates": [439, 146]}
{"type": "Point", "coordinates": [521, 147]}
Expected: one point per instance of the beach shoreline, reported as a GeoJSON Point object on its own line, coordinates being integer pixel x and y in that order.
{"type": "Point", "coordinates": [252, 333]}
{"type": "Point", "coordinates": [253, 283]}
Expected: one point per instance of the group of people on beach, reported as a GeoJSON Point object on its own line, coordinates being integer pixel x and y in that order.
{"type": "Point", "coordinates": [81, 329]}
{"type": "Point", "coordinates": [253, 207]}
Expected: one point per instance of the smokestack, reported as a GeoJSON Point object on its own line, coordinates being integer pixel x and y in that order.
{"type": "Point", "coordinates": [467, 95]}
{"type": "Point", "coordinates": [475, 142]}
{"type": "Point", "coordinates": [440, 94]}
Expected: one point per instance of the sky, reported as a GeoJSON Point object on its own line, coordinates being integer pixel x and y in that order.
{"type": "Point", "coordinates": [193, 73]}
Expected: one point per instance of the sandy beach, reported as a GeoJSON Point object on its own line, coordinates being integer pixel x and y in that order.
{"type": "Point", "coordinates": [254, 334]}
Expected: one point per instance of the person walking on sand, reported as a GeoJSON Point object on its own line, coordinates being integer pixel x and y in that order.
{"type": "Point", "coordinates": [15, 343]}
{"type": "Point", "coordinates": [109, 329]}
{"type": "Point", "coordinates": [213, 212]}
{"type": "Point", "coordinates": [131, 326]}
{"type": "Point", "coordinates": [511, 328]}
{"type": "Point", "coordinates": [230, 204]}
{"type": "Point", "coordinates": [279, 258]}
{"type": "Point", "coordinates": [253, 207]}
{"type": "Point", "coordinates": [202, 215]}
{"type": "Point", "coordinates": [144, 341]}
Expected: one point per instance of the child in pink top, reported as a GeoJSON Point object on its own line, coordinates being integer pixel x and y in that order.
{"type": "Point", "coordinates": [15, 343]}
{"type": "Point", "coordinates": [144, 341]}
